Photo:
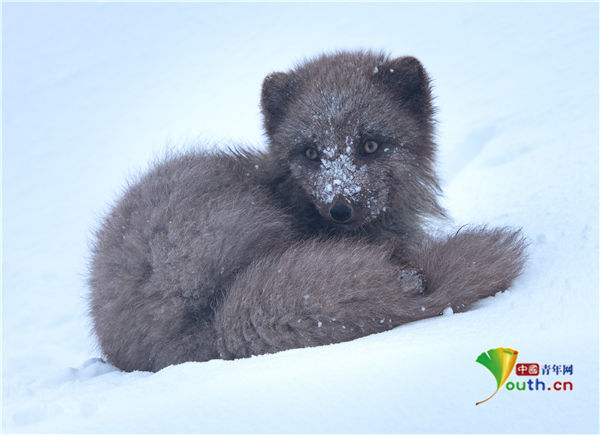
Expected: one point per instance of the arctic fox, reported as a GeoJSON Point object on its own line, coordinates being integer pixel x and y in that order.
{"type": "Point", "coordinates": [317, 240]}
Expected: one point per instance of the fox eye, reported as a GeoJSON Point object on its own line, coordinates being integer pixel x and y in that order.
{"type": "Point", "coordinates": [370, 146]}
{"type": "Point", "coordinates": [311, 154]}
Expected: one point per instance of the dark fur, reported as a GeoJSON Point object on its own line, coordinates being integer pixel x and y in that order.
{"type": "Point", "coordinates": [213, 255]}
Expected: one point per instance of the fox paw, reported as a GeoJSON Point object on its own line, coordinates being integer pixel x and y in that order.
{"type": "Point", "coordinates": [413, 281]}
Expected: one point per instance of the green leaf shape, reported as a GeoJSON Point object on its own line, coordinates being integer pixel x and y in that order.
{"type": "Point", "coordinates": [492, 360]}
{"type": "Point", "coordinates": [499, 362]}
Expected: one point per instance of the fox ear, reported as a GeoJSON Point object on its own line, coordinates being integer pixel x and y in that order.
{"type": "Point", "coordinates": [410, 84]}
{"type": "Point", "coordinates": [277, 91]}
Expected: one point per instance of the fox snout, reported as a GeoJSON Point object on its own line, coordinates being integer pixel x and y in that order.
{"type": "Point", "coordinates": [341, 212]}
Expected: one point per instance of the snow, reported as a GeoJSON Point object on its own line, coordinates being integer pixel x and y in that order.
{"type": "Point", "coordinates": [93, 92]}
{"type": "Point", "coordinates": [338, 176]}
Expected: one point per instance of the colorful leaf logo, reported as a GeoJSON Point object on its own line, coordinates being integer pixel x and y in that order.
{"type": "Point", "coordinates": [500, 362]}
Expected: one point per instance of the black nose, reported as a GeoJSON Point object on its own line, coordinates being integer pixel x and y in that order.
{"type": "Point", "coordinates": [340, 212]}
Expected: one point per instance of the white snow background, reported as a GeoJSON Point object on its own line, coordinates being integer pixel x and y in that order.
{"type": "Point", "coordinates": [92, 92]}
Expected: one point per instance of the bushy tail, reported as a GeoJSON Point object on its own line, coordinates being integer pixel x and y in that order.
{"type": "Point", "coordinates": [472, 264]}
{"type": "Point", "coordinates": [321, 292]}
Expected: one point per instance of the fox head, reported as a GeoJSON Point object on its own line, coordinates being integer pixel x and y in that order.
{"type": "Point", "coordinates": [354, 131]}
